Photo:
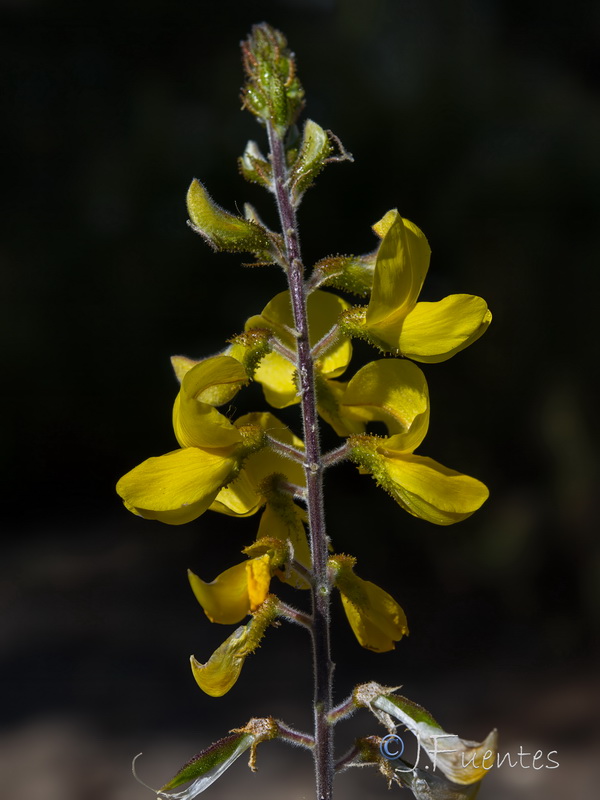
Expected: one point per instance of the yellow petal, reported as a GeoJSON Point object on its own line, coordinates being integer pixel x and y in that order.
{"type": "Point", "coordinates": [179, 486]}
{"type": "Point", "coordinates": [329, 406]}
{"type": "Point", "coordinates": [434, 332]}
{"type": "Point", "coordinates": [375, 617]}
{"type": "Point", "coordinates": [195, 420]}
{"type": "Point", "coordinates": [223, 668]}
{"type": "Point", "coordinates": [400, 269]}
{"type": "Point", "coordinates": [258, 574]}
{"type": "Point", "coordinates": [369, 633]}
{"type": "Point", "coordinates": [224, 600]}
{"type": "Point", "coordinates": [431, 491]}
{"type": "Point", "coordinates": [239, 499]}
{"type": "Point", "coordinates": [181, 365]}
{"type": "Point", "coordinates": [394, 392]}
{"type": "Point", "coordinates": [277, 376]}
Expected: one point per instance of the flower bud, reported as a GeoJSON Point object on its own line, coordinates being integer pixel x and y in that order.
{"type": "Point", "coordinates": [255, 168]}
{"type": "Point", "coordinates": [273, 92]}
{"type": "Point", "coordinates": [312, 157]}
{"type": "Point", "coordinates": [224, 231]}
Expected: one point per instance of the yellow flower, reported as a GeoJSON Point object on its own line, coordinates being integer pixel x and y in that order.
{"type": "Point", "coordinates": [375, 617]}
{"type": "Point", "coordinates": [241, 589]}
{"type": "Point", "coordinates": [395, 321]}
{"type": "Point", "coordinates": [223, 668]}
{"type": "Point", "coordinates": [395, 392]}
{"type": "Point", "coordinates": [277, 374]}
{"type": "Point", "coordinates": [180, 486]}
{"type": "Point", "coordinates": [235, 592]}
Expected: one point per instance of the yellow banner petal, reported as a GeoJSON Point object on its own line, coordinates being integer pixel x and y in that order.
{"type": "Point", "coordinates": [375, 617]}
{"type": "Point", "coordinates": [394, 392]}
{"type": "Point", "coordinates": [400, 269]}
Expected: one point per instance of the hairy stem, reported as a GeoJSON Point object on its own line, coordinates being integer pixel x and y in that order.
{"type": "Point", "coordinates": [321, 589]}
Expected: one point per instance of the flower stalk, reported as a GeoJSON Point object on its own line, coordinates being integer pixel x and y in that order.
{"type": "Point", "coordinates": [296, 348]}
{"type": "Point", "coordinates": [313, 468]}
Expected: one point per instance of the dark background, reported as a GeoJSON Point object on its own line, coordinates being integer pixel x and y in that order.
{"type": "Point", "coordinates": [480, 121]}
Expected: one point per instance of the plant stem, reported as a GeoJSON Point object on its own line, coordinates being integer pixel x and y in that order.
{"type": "Point", "coordinates": [321, 589]}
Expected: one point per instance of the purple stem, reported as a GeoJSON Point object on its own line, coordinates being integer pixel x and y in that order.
{"type": "Point", "coordinates": [321, 589]}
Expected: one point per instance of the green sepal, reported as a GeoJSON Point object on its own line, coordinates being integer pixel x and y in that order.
{"type": "Point", "coordinates": [352, 324]}
{"type": "Point", "coordinates": [224, 231]}
{"type": "Point", "coordinates": [312, 156]}
{"type": "Point", "coordinates": [218, 756]}
{"type": "Point", "coordinates": [254, 438]}
{"type": "Point", "coordinates": [251, 347]}
{"type": "Point", "coordinates": [255, 168]}
{"type": "Point", "coordinates": [349, 273]}
{"type": "Point", "coordinates": [273, 92]}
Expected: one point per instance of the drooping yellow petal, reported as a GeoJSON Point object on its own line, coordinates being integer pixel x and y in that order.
{"type": "Point", "coordinates": [179, 486]}
{"type": "Point", "coordinates": [211, 382]}
{"type": "Point", "coordinates": [375, 617]}
{"type": "Point", "coordinates": [431, 491]}
{"type": "Point", "coordinates": [394, 392]}
{"type": "Point", "coordinates": [224, 600]}
{"type": "Point", "coordinates": [223, 668]}
{"type": "Point", "coordinates": [400, 269]}
{"type": "Point", "coordinates": [433, 332]}
{"type": "Point", "coordinates": [376, 630]}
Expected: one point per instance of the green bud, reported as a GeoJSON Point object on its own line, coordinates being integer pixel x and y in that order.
{"type": "Point", "coordinates": [255, 168]}
{"type": "Point", "coordinates": [273, 92]}
{"type": "Point", "coordinates": [312, 157]}
{"type": "Point", "coordinates": [348, 273]}
{"type": "Point", "coordinates": [224, 231]}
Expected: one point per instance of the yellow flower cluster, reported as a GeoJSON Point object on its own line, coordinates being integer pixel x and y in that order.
{"type": "Point", "coordinates": [238, 467]}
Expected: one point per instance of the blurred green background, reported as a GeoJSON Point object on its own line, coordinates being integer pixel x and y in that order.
{"type": "Point", "coordinates": [480, 121]}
